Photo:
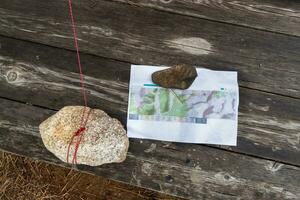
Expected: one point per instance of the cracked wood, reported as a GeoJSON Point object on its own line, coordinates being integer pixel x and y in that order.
{"type": "Point", "coordinates": [190, 171]}
{"type": "Point", "coordinates": [266, 61]}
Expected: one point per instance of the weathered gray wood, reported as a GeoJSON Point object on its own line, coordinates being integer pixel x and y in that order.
{"type": "Point", "coordinates": [269, 124]}
{"type": "Point", "coordinates": [191, 171]}
{"type": "Point", "coordinates": [265, 60]}
{"type": "Point", "coordinates": [271, 15]}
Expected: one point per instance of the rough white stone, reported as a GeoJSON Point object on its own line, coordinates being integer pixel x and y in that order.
{"type": "Point", "coordinates": [103, 141]}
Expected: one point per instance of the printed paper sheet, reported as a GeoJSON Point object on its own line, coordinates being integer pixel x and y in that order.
{"type": "Point", "coordinates": [207, 112]}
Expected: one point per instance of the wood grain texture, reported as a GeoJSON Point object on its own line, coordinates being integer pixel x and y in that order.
{"type": "Point", "coordinates": [269, 125]}
{"type": "Point", "coordinates": [190, 171]}
{"type": "Point", "coordinates": [265, 61]}
{"type": "Point", "coordinates": [270, 15]}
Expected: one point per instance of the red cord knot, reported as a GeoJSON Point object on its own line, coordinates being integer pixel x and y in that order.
{"type": "Point", "coordinates": [79, 131]}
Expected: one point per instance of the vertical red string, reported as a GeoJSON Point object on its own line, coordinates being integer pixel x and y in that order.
{"type": "Point", "coordinates": [82, 126]}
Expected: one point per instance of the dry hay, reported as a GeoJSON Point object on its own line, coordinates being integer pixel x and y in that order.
{"type": "Point", "coordinates": [23, 178]}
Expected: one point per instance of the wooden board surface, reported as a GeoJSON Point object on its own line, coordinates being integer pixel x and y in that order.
{"type": "Point", "coordinates": [38, 77]}
{"type": "Point", "coordinates": [265, 60]}
{"type": "Point", "coordinates": [270, 15]}
{"type": "Point", "coordinates": [190, 171]}
{"type": "Point", "coordinates": [264, 130]}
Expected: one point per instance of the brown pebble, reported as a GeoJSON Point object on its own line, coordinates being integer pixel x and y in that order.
{"type": "Point", "coordinates": [177, 77]}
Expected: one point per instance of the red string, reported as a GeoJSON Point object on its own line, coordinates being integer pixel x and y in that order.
{"type": "Point", "coordinates": [79, 133]}
{"type": "Point", "coordinates": [77, 52]}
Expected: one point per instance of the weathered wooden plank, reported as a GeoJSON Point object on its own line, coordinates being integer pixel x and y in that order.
{"type": "Point", "coordinates": [265, 60]}
{"type": "Point", "coordinates": [269, 124]}
{"type": "Point", "coordinates": [186, 170]}
{"type": "Point", "coordinates": [271, 15]}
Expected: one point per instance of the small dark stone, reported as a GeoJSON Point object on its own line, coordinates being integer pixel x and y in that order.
{"type": "Point", "coordinates": [169, 178]}
{"type": "Point", "coordinates": [177, 77]}
{"type": "Point", "coordinates": [188, 161]}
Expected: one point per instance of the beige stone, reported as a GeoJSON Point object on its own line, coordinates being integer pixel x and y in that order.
{"type": "Point", "coordinates": [104, 140]}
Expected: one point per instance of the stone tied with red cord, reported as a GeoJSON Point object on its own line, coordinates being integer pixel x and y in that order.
{"type": "Point", "coordinates": [104, 140]}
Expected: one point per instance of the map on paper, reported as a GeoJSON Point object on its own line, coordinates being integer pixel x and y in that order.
{"type": "Point", "coordinates": [192, 106]}
{"type": "Point", "coordinates": [207, 112]}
